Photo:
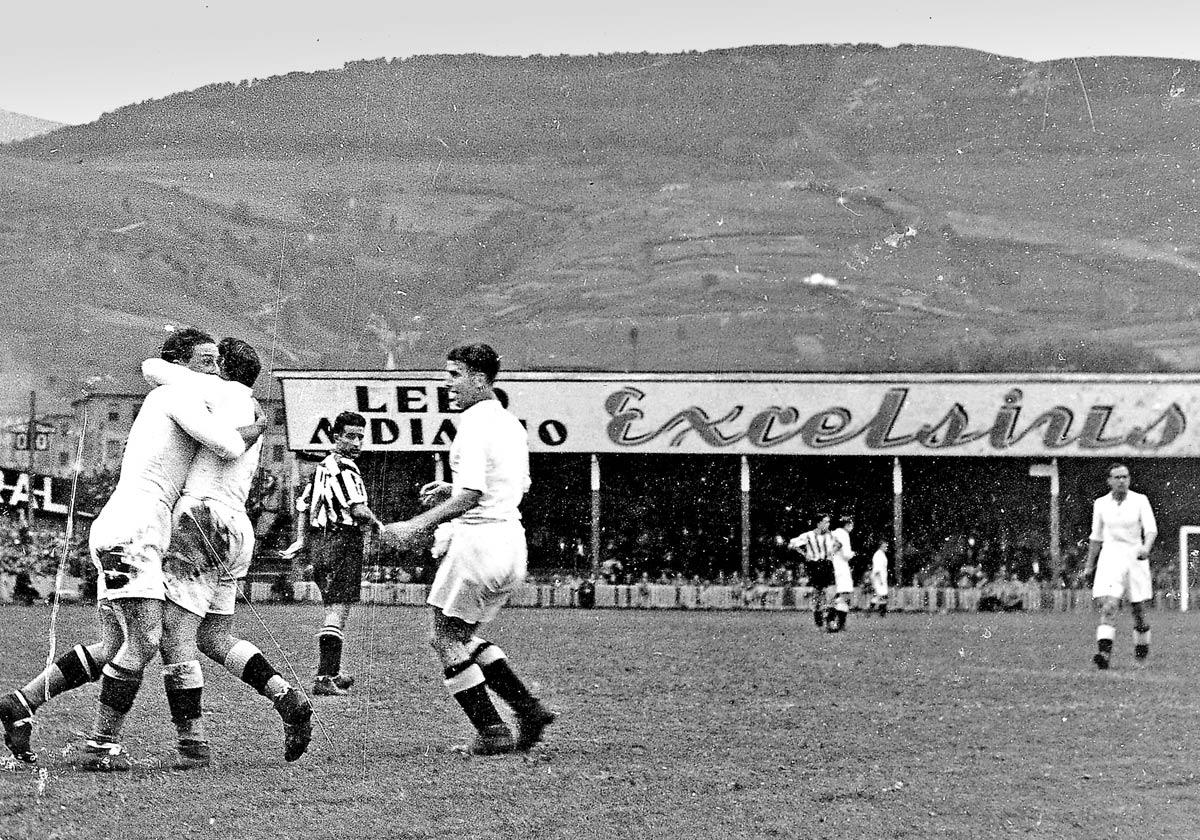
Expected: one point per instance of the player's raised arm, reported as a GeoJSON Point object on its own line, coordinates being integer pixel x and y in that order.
{"type": "Point", "coordinates": [161, 372]}
{"type": "Point", "coordinates": [198, 422]}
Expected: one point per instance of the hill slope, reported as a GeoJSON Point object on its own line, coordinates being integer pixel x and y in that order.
{"type": "Point", "coordinates": [764, 208]}
{"type": "Point", "coordinates": [14, 126]}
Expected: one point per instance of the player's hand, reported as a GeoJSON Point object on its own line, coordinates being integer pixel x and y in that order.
{"type": "Point", "coordinates": [292, 550]}
{"type": "Point", "coordinates": [434, 493]}
{"type": "Point", "coordinates": [400, 535]}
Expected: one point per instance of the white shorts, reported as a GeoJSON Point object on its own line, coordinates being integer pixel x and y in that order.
{"type": "Point", "coordinates": [211, 547]}
{"type": "Point", "coordinates": [879, 583]}
{"type": "Point", "coordinates": [843, 582]}
{"type": "Point", "coordinates": [483, 564]}
{"type": "Point", "coordinates": [127, 542]}
{"type": "Point", "coordinates": [1119, 573]}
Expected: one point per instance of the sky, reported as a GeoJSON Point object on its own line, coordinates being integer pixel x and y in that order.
{"type": "Point", "coordinates": [73, 60]}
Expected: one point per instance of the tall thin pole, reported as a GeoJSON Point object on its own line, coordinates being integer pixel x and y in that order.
{"type": "Point", "coordinates": [745, 485]}
{"type": "Point", "coordinates": [32, 433]}
{"type": "Point", "coordinates": [30, 441]}
{"type": "Point", "coordinates": [595, 512]}
{"type": "Point", "coordinates": [1055, 527]}
{"type": "Point", "coordinates": [898, 518]}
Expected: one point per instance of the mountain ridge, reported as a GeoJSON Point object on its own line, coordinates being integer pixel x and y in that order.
{"type": "Point", "coordinates": [15, 127]}
{"type": "Point", "coordinates": [633, 211]}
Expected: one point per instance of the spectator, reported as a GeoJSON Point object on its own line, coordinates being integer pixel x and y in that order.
{"type": "Point", "coordinates": [23, 590]}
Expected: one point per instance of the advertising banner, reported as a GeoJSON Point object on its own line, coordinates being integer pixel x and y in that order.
{"type": "Point", "coordinates": [49, 494]}
{"type": "Point", "coordinates": [1029, 415]}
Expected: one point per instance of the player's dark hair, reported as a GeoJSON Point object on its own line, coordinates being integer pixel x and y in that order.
{"type": "Point", "coordinates": [180, 344]}
{"type": "Point", "coordinates": [239, 361]}
{"type": "Point", "coordinates": [347, 418]}
{"type": "Point", "coordinates": [1117, 465]}
{"type": "Point", "coordinates": [846, 519]}
{"type": "Point", "coordinates": [477, 357]}
{"type": "Point", "coordinates": [821, 515]}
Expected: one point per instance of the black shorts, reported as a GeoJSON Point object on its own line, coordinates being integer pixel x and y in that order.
{"type": "Point", "coordinates": [820, 573]}
{"type": "Point", "coordinates": [337, 561]}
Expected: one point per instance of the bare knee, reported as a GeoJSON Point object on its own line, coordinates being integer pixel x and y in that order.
{"type": "Point", "coordinates": [1108, 610]}
{"type": "Point", "coordinates": [143, 643]}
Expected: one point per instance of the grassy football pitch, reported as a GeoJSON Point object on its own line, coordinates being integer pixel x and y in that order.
{"type": "Point", "coordinates": [696, 725]}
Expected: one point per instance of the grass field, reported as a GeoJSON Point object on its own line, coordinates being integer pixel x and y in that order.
{"type": "Point", "coordinates": [698, 725]}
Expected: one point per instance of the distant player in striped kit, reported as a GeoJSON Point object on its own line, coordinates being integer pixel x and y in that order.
{"type": "Point", "coordinates": [1123, 533]}
{"type": "Point", "coordinates": [333, 513]}
{"type": "Point", "coordinates": [817, 547]}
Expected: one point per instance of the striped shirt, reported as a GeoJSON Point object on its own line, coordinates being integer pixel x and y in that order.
{"type": "Point", "coordinates": [814, 544]}
{"type": "Point", "coordinates": [335, 487]}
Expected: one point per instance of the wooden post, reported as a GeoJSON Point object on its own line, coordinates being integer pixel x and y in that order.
{"type": "Point", "coordinates": [31, 442]}
{"type": "Point", "coordinates": [1055, 526]}
{"type": "Point", "coordinates": [898, 519]}
{"type": "Point", "coordinates": [745, 484]}
{"type": "Point", "coordinates": [595, 512]}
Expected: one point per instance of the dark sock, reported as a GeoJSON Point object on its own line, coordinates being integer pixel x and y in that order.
{"type": "Point", "coordinates": [119, 687]}
{"type": "Point", "coordinates": [503, 680]}
{"type": "Point", "coordinates": [258, 672]}
{"type": "Point", "coordinates": [329, 644]}
{"type": "Point", "coordinates": [77, 668]}
{"type": "Point", "coordinates": [466, 682]}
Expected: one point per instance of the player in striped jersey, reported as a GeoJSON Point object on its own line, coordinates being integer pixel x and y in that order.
{"type": "Point", "coordinates": [817, 547]}
{"type": "Point", "coordinates": [333, 513]}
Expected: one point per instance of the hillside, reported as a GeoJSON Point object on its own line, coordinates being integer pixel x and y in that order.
{"type": "Point", "coordinates": [787, 208]}
{"type": "Point", "coordinates": [14, 126]}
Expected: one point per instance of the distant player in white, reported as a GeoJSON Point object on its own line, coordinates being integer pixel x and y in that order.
{"type": "Point", "coordinates": [485, 557]}
{"type": "Point", "coordinates": [212, 543]}
{"type": "Point", "coordinates": [843, 580]}
{"type": "Point", "coordinates": [879, 579]}
{"type": "Point", "coordinates": [1123, 534]}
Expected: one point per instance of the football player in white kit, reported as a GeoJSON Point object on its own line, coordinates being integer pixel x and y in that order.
{"type": "Point", "coordinates": [485, 556]}
{"type": "Point", "coordinates": [879, 580]}
{"type": "Point", "coordinates": [212, 543]}
{"type": "Point", "coordinates": [843, 580]}
{"type": "Point", "coordinates": [1123, 534]}
{"type": "Point", "coordinates": [127, 542]}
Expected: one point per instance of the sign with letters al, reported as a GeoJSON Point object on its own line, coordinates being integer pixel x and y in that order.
{"type": "Point", "coordinates": [1029, 415]}
{"type": "Point", "coordinates": [49, 494]}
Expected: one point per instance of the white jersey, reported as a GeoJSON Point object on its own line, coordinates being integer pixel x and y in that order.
{"type": "Point", "coordinates": [1122, 527]}
{"type": "Point", "coordinates": [490, 454]}
{"type": "Point", "coordinates": [212, 477]}
{"type": "Point", "coordinates": [162, 444]}
{"type": "Point", "coordinates": [879, 572]}
{"type": "Point", "coordinates": [842, 551]}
